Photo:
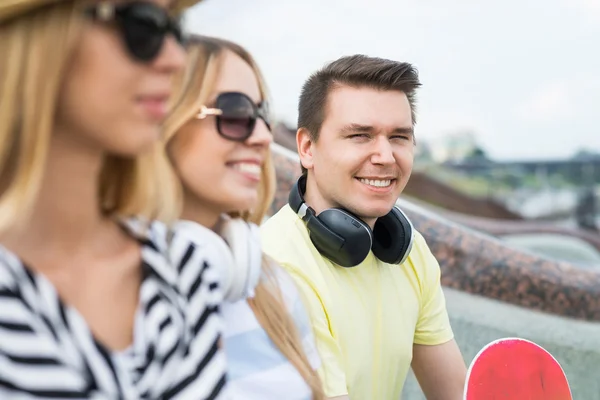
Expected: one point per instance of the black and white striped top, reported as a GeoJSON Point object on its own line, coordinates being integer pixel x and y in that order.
{"type": "Point", "coordinates": [48, 351]}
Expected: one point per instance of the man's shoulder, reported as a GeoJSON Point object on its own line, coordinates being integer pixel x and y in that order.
{"type": "Point", "coordinates": [419, 241]}
{"type": "Point", "coordinates": [421, 259]}
{"type": "Point", "coordinates": [282, 232]}
{"type": "Point", "coordinates": [283, 218]}
{"type": "Point", "coordinates": [285, 239]}
{"type": "Point", "coordinates": [420, 247]}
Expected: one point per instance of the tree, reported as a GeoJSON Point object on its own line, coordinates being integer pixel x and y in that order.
{"type": "Point", "coordinates": [586, 155]}
{"type": "Point", "coordinates": [477, 154]}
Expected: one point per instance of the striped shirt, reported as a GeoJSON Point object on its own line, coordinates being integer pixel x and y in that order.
{"type": "Point", "coordinates": [47, 349]}
{"type": "Point", "coordinates": [257, 369]}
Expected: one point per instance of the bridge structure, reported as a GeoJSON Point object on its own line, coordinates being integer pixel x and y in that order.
{"type": "Point", "coordinates": [581, 171]}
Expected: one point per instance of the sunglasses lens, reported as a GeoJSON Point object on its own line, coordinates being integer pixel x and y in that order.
{"type": "Point", "coordinates": [145, 26]}
{"type": "Point", "coordinates": [238, 118]}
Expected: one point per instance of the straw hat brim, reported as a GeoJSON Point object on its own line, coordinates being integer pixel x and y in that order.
{"type": "Point", "coordinates": [13, 8]}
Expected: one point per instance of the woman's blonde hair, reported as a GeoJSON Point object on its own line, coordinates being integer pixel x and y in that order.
{"type": "Point", "coordinates": [35, 50]}
{"type": "Point", "coordinates": [194, 86]}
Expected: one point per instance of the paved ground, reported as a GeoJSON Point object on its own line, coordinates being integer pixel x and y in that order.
{"type": "Point", "coordinates": [575, 344]}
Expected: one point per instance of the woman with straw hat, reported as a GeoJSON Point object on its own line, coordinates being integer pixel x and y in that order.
{"type": "Point", "coordinates": [94, 303]}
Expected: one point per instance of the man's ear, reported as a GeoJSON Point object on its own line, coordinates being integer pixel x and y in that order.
{"type": "Point", "coordinates": [304, 144]}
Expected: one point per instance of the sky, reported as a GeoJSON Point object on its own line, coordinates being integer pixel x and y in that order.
{"type": "Point", "coordinates": [524, 75]}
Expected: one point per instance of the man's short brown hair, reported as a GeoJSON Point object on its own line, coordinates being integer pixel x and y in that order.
{"type": "Point", "coordinates": [355, 71]}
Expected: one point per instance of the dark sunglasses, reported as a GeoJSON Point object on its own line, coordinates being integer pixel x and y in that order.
{"type": "Point", "coordinates": [143, 26]}
{"type": "Point", "coordinates": [236, 115]}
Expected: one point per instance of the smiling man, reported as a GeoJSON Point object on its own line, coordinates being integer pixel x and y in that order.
{"type": "Point", "coordinates": [371, 284]}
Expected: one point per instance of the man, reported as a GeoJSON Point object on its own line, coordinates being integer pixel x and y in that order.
{"type": "Point", "coordinates": [374, 320]}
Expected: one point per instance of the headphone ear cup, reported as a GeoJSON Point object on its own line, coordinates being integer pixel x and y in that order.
{"type": "Point", "coordinates": [336, 233]}
{"type": "Point", "coordinates": [256, 258]}
{"type": "Point", "coordinates": [216, 250]}
{"type": "Point", "coordinates": [337, 223]}
{"type": "Point", "coordinates": [243, 239]}
{"type": "Point", "coordinates": [393, 236]}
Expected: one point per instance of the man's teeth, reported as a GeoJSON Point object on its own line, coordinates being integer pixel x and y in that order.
{"type": "Point", "coordinates": [250, 168]}
{"type": "Point", "coordinates": [376, 183]}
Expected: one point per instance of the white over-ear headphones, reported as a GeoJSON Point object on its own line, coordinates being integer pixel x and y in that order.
{"type": "Point", "coordinates": [236, 252]}
{"type": "Point", "coordinates": [243, 239]}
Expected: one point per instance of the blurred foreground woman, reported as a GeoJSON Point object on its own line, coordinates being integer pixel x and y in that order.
{"type": "Point", "coordinates": [96, 299]}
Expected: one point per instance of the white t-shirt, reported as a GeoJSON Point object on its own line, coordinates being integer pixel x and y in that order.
{"type": "Point", "coordinates": [257, 370]}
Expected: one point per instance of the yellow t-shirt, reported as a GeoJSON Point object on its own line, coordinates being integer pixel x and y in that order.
{"type": "Point", "coordinates": [365, 318]}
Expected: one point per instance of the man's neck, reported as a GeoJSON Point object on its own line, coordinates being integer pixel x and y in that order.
{"type": "Point", "coordinates": [314, 199]}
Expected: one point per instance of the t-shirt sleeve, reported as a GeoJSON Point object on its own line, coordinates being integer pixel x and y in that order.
{"type": "Point", "coordinates": [433, 325]}
{"type": "Point", "coordinates": [330, 367]}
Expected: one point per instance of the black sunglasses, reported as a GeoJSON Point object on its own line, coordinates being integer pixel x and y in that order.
{"type": "Point", "coordinates": [236, 115]}
{"type": "Point", "coordinates": [143, 25]}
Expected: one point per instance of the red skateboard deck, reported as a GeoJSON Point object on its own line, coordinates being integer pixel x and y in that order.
{"type": "Point", "coordinates": [515, 369]}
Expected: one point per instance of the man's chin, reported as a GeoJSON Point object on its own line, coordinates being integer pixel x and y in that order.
{"type": "Point", "coordinates": [372, 213]}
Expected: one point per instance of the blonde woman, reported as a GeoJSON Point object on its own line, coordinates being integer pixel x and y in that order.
{"type": "Point", "coordinates": [218, 139]}
{"type": "Point", "coordinates": [94, 304]}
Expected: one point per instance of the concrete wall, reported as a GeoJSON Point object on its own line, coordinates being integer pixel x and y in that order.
{"type": "Point", "coordinates": [478, 320]}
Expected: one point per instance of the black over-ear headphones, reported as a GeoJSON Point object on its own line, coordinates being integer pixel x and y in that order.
{"type": "Point", "coordinates": [346, 240]}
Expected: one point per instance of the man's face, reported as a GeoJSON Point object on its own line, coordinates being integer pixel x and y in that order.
{"type": "Point", "coordinates": [363, 157]}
